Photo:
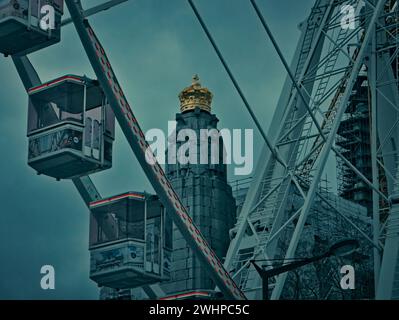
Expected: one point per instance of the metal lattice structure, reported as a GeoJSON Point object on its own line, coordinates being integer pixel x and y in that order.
{"type": "Point", "coordinates": [304, 128]}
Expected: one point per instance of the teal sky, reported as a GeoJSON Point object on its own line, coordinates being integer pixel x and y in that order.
{"type": "Point", "coordinates": [155, 47]}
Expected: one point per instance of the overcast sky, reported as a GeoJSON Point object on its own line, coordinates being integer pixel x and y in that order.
{"type": "Point", "coordinates": [155, 47]}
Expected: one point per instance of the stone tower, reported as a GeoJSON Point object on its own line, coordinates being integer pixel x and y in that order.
{"type": "Point", "coordinates": [203, 188]}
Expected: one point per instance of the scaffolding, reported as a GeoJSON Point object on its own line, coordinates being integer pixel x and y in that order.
{"type": "Point", "coordinates": [353, 139]}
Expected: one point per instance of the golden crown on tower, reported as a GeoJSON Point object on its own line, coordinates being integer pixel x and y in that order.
{"type": "Point", "coordinates": [195, 96]}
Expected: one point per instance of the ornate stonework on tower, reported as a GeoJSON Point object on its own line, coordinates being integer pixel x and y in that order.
{"type": "Point", "coordinates": [195, 96]}
{"type": "Point", "coordinates": [204, 191]}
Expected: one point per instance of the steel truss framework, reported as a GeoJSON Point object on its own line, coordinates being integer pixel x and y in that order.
{"type": "Point", "coordinates": [299, 142]}
{"type": "Point", "coordinates": [303, 130]}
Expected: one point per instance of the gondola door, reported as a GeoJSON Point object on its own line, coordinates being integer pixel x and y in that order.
{"type": "Point", "coordinates": [93, 132]}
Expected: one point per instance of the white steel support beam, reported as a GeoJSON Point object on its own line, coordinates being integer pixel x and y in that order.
{"type": "Point", "coordinates": [372, 77]}
{"type": "Point", "coordinates": [385, 100]}
{"type": "Point", "coordinates": [387, 284]}
{"type": "Point", "coordinates": [96, 9]}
